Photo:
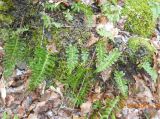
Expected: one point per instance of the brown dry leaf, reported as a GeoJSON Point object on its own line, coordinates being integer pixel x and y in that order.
{"type": "Point", "coordinates": [86, 107]}
{"type": "Point", "coordinates": [2, 90]}
{"type": "Point", "coordinates": [38, 106]}
{"type": "Point", "coordinates": [92, 40]}
{"type": "Point", "coordinates": [52, 48]}
{"type": "Point", "coordinates": [9, 100]}
{"type": "Point", "coordinates": [106, 74]}
{"type": "Point", "coordinates": [21, 111]}
{"type": "Point", "coordinates": [143, 91]}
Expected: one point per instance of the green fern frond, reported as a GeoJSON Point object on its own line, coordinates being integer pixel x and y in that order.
{"type": "Point", "coordinates": [79, 84]}
{"type": "Point", "coordinates": [41, 66]}
{"type": "Point", "coordinates": [121, 83]}
{"type": "Point", "coordinates": [80, 7]}
{"type": "Point", "coordinates": [111, 105]}
{"type": "Point", "coordinates": [111, 58]}
{"type": "Point", "coordinates": [14, 51]}
{"type": "Point", "coordinates": [72, 57]}
{"type": "Point", "coordinates": [75, 79]}
{"type": "Point", "coordinates": [83, 91]}
{"type": "Point", "coordinates": [84, 56]}
{"type": "Point", "coordinates": [100, 52]}
{"type": "Point", "coordinates": [147, 67]}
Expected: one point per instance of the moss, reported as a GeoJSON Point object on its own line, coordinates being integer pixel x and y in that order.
{"type": "Point", "coordinates": [5, 5]}
{"type": "Point", "coordinates": [6, 18]}
{"type": "Point", "coordinates": [140, 19]}
{"type": "Point", "coordinates": [140, 48]}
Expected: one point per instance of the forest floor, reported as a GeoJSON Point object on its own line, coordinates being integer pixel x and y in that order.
{"type": "Point", "coordinates": [51, 102]}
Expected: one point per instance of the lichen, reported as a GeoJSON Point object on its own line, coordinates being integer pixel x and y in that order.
{"type": "Point", "coordinates": [140, 19]}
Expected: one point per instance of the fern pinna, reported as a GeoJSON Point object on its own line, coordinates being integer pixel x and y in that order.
{"type": "Point", "coordinates": [111, 106]}
{"type": "Point", "coordinates": [147, 67]}
{"type": "Point", "coordinates": [72, 57]}
{"type": "Point", "coordinates": [14, 50]}
{"type": "Point", "coordinates": [105, 61]}
{"type": "Point", "coordinates": [121, 83]}
{"type": "Point", "coordinates": [41, 66]}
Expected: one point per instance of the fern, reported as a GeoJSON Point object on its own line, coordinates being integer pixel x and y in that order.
{"type": "Point", "coordinates": [84, 56]}
{"type": "Point", "coordinates": [41, 66]}
{"type": "Point", "coordinates": [112, 12]}
{"type": "Point", "coordinates": [111, 105]}
{"type": "Point", "coordinates": [52, 6]}
{"type": "Point", "coordinates": [80, 7]}
{"type": "Point", "coordinates": [14, 50]}
{"type": "Point", "coordinates": [79, 84]}
{"type": "Point", "coordinates": [75, 79]}
{"type": "Point", "coordinates": [109, 60]}
{"type": "Point", "coordinates": [84, 89]}
{"type": "Point", "coordinates": [147, 67]}
{"type": "Point", "coordinates": [87, 10]}
{"type": "Point", "coordinates": [121, 83]}
{"type": "Point", "coordinates": [72, 57]}
{"type": "Point", "coordinates": [100, 52]}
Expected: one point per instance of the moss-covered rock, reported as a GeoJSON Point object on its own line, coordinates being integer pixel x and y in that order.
{"type": "Point", "coordinates": [139, 17]}
{"type": "Point", "coordinates": [140, 49]}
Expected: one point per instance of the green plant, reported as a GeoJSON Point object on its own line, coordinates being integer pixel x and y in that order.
{"type": "Point", "coordinates": [155, 8]}
{"type": "Point", "coordinates": [14, 49]}
{"type": "Point", "coordinates": [139, 17]}
{"type": "Point", "coordinates": [79, 84]}
{"type": "Point", "coordinates": [84, 56]}
{"type": "Point", "coordinates": [140, 48]}
{"type": "Point", "coordinates": [147, 67]}
{"type": "Point", "coordinates": [111, 11]}
{"type": "Point", "coordinates": [68, 15]}
{"type": "Point", "coordinates": [5, 5]}
{"type": "Point", "coordinates": [110, 107]}
{"type": "Point", "coordinates": [104, 61]}
{"type": "Point", "coordinates": [41, 66]}
{"type": "Point", "coordinates": [5, 116]}
{"type": "Point", "coordinates": [72, 57]}
{"type": "Point", "coordinates": [52, 6]}
{"type": "Point", "coordinates": [121, 83]}
{"type": "Point", "coordinates": [100, 52]}
{"type": "Point", "coordinates": [86, 9]}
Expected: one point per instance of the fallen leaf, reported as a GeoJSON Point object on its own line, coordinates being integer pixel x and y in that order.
{"type": "Point", "coordinates": [86, 107]}
{"type": "Point", "coordinates": [106, 74]}
{"type": "Point", "coordinates": [143, 91]}
{"type": "Point", "coordinates": [92, 40]}
{"type": "Point", "coordinates": [52, 48]}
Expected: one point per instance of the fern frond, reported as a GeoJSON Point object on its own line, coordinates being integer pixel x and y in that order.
{"type": "Point", "coordinates": [75, 79]}
{"type": "Point", "coordinates": [100, 52]}
{"type": "Point", "coordinates": [111, 105]}
{"type": "Point", "coordinates": [121, 83]}
{"type": "Point", "coordinates": [109, 60]}
{"type": "Point", "coordinates": [41, 66]}
{"type": "Point", "coordinates": [72, 57]}
{"type": "Point", "coordinates": [84, 56]}
{"type": "Point", "coordinates": [147, 67]}
{"type": "Point", "coordinates": [79, 84]}
{"type": "Point", "coordinates": [80, 7]}
{"type": "Point", "coordinates": [14, 51]}
{"type": "Point", "coordinates": [83, 91]}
